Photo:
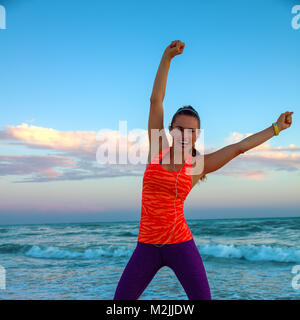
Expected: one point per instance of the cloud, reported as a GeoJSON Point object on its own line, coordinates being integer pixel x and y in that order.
{"type": "Point", "coordinates": [235, 137]}
{"type": "Point", "coordinates": [78, 150]}
{"type": "Point", "coordinates": [250, 174]}
{"type": "Point", "coordinates": [32, 164]}
{"type": "Point", "coordinates": [44, 168]}
{"type": "Point", "coordinates": [77, 158]}
{"type": "Point", "coordinates": [48, 138]}
{"type": "Point", "coordinates": [263, 157]}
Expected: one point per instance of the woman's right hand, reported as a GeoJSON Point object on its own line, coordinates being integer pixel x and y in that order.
{"type": "Point", "coordinates": [176, 47]}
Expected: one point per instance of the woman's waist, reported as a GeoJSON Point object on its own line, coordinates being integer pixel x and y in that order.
{"type": "Point", "coordinates": [165, 216]}
{"type": "Point", "coordinates": [162, 209]}
{"type": "Point", "coordinates": [153, 229]}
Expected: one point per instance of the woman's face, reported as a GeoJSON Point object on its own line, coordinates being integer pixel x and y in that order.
{"type": "Point", "coordinates": [183, 138]}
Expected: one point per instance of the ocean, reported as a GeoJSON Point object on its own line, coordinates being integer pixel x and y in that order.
{"type": "Point", "coordinates": [243, 258]}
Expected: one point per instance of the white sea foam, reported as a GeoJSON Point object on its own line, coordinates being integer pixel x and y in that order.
{"type": "Point", "coordinates": [59, 253]}
{"type": "Point", "coordinates": [249, 252]}
{"type": "Point", "coordinates": [252, 252]}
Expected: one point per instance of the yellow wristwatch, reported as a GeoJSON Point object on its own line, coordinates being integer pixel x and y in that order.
{"type": "Point", "coordinates": [275, 126]}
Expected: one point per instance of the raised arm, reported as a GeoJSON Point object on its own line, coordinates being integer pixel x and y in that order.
{"type": "Point", "coordinates": [215, 160]}
{"type": "Point", "coordinates": [283, 122]}
{"type": "Point", "coordinates": [156, 113]}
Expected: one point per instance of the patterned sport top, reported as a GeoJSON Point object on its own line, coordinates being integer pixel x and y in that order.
{"type": "Point", "coordinates": [158, 201]}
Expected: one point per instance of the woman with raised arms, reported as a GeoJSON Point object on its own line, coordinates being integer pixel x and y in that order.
{"type": "Point", "coordinates": [164, 237]}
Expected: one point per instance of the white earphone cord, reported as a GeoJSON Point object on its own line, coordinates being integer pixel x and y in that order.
{"type": "Point", "coordinates": [175, 210]}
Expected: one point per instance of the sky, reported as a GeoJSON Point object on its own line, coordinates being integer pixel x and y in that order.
{"type": "Point", "coordinates": [70, 69]}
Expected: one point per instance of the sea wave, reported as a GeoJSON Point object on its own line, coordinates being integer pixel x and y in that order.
{"type": "Point", "coordinates": [127, 234]}
{"type": "Point", "coordinates": [53, 252]}
{"type": "Point", "coordinates": [244, 228]}
{"type": "Point", "coordinates": [227, 230]}
{"type": "Point", "coordinates": [61, 253]}
{"type": "Point", "coordinates": [252, 252]}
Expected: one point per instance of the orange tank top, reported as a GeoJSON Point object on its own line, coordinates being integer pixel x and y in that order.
{"type": "Point", "coordinates": [159, 200]}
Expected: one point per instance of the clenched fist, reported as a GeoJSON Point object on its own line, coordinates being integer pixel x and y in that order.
{"type": "Point", "coordinates": [284, 121]}
{"type": "Point", "coordinates": [176, 47]}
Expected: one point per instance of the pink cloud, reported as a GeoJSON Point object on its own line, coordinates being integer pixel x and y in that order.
{"type": "Point", "coordinates": [29, 164]}
{"type": "Point", "coordinates": [50, 173]}
{"type": "Point", "coordinates": [39, 137]}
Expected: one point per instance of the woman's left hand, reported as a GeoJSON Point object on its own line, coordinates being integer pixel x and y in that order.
{"type": "Point", "coordinates": [284, 121]}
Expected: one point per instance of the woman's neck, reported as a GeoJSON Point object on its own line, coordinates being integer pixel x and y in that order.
{"type": "Point", "coordinates": [180, 157]}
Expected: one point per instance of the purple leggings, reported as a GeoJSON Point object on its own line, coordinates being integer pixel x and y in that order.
{"type": "Point", "coordinates": [183, 258]}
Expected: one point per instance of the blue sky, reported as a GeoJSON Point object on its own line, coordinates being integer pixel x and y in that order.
{"type": "Point", "coordinates": [77, 67]}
